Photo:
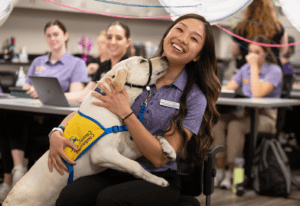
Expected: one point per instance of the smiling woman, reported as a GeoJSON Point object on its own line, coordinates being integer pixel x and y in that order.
{"type": "Point", "coordinates": [191, 84]}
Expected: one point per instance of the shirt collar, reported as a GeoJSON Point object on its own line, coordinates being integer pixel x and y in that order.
{"type": "Point", "coordinates": [63, 59]}
{"type": "Point", "coordinates": [181, 80]}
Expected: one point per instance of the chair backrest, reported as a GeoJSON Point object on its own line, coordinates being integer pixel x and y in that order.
{"type": "Point", "coordinates": [190, 173]}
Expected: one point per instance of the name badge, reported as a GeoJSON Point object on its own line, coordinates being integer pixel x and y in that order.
{"type": "Point", "coordinates": [40, 68]}
{"type": "Point", "coordinates": [167, 103]}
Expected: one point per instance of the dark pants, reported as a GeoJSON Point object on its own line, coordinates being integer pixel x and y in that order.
{"type": "Point", "coordinates": [24, 132]}
{"type": "Point", "coordinates": [13, 136]}
{"type": "Point", "coordinates": [112, 187]}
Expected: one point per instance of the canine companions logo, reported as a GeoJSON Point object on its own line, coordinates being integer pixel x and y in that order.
{"type": "Point", "coordinates": [83, 132]}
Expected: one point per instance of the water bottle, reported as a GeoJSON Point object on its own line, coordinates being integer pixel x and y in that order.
{"type": "Point", "coordinates": [238, 176]}
{"type": "Point", "coordinates": [21, 78]}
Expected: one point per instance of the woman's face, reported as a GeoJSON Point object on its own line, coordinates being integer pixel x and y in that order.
{"type": "Point", "coordinates": [184, 41]}
{"type": "Point", "coordinates": [117, 43]}
{"type": "Point", "coordinates": [101, 43]}
{"type": "Point", "coordinates": [260, 51]}
{"type": "Point", "coordinates": [55, 37]}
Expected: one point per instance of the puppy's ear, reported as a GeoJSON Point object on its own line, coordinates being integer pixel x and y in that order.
{"type": "Point", "coordinates": [120, 78]}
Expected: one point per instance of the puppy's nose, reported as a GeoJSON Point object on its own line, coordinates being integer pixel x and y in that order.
{"type": "Point", "coordinates": [164, 58]}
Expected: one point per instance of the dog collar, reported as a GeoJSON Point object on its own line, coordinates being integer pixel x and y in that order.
{"type": "Point", "coordinates": [149, 78]}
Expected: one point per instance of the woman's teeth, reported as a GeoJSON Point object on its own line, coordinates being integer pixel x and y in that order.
{"type": "Point", "coordinates": [177, 47]}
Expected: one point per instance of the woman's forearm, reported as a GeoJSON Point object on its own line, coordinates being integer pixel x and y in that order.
{"type": "Point", "coordinates": [64, 123]}
{"type": "Point", "coordinates": [255, 83]}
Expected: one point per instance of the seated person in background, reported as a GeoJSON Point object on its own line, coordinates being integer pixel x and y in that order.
{"type": "Point", "coordinates": [71, 74]}
{"type": "Point", "coordinates": [94, 63]}
{"type": "Point", "coordinates": [118, 41]}
{"type": "Point", "coordinates": [259, 77]}
{"type": "Point", "coordinates": [285, 59]}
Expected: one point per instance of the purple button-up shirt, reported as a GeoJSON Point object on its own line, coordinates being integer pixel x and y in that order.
{"type": "Point", "coordinates": [67, 70]}
{"type": "Point", "coordinates": [157, 117]}
{"type": "Point", "coordinates": [269, 72]}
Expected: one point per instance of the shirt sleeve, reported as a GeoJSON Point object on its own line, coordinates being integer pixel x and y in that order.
{"type": "Point", "coordinates": [274, 76]}
{"type": "Point", "coordinates": [196, 105]}
{"type": "Point", "coordinates": [31, 71]}
{"type": "Point", "coordinates": [238, 77]}
{"type": "Point", "coordinates": [79, 72]}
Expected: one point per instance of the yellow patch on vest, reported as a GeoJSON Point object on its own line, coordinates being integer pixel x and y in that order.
{"type": "Point", "coordinates": [82, 132]}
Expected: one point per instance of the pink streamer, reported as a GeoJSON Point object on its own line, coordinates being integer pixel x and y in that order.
{"type": "Point", "coordinates": [253, 42]}
{"type": "Point", "coordinates": [110, 15]}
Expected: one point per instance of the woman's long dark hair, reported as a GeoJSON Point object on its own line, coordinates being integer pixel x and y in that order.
{"type": "Point", "coordinates": [203, 73]}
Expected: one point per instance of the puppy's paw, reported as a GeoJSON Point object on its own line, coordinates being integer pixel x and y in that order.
{"type": "Point", "coordinates": [168, 150]}
{"type": "Point", "coordinates": [161, 182]}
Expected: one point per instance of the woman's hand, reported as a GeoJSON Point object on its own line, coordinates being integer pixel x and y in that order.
{"type": "Point", "coordinates": [32, 92]}
{"type": "Point", "coordinates": [116, 102]}
{"type": "Point", "coordinates": [56, 152]}
{"type": "Point", "coordinates": [92, 68]}
{"type": "Point", "coordinates": [254, 60]}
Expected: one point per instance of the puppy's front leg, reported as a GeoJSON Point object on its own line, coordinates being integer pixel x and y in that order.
{"type": "Point", "coordinates": [168, 150]}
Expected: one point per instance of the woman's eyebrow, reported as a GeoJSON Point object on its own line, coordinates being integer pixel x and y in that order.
{"type": "Point", "coordinates": [193, 32]}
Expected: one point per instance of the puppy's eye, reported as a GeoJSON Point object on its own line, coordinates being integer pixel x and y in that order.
{"type": "Point", "coordinates": [113, 76]}
{"type": "Point", "coordinates": [143, 60]}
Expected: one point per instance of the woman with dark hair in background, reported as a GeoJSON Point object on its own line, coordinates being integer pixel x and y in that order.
{"type": "Point", "coordinates": [94, 63]}
{"type": "Point", "coordinates": [190, 81]}
{"type": "Point", "coordinates": [117, 43]}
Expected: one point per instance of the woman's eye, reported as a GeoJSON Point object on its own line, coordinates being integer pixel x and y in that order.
{"type": "Point", "coordinates": [179, 29]}
{"type": "Point", "coordinates": [194, 39]}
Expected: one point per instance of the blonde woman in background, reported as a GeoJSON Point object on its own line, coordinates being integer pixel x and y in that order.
{"type": "Point", "coordinates": [94, 63]}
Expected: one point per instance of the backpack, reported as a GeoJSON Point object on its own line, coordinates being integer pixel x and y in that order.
{"type": "Point", "coordinates": [270, 171]}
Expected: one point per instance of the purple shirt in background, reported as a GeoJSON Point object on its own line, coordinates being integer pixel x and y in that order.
{"type": "Point", "coordinates": [158, 117]}
{"type": "Point", "coordinates": [269, 72]}
{"type": "Point", "coordinates": [67, 70]}
{"type": "Point", "coordinates": [288, 68]}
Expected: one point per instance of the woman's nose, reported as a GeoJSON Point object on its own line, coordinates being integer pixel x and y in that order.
{"type": "Point", "coordinates": [183, 38]}
{"type": "Point", "coordinates": [113, 40]}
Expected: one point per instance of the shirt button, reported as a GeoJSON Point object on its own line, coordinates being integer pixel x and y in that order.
{"type": "Point", "coordinates": [147, 111]}
{"type": "Point", "coordinates": [151, 103]}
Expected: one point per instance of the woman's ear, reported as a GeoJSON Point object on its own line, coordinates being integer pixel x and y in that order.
{"type": "Point", "coordinates": [128, 43]}
{"type": "Point", "coordinates": [120, 78]}
{"type": "Point", "coordinates": [66, 36]}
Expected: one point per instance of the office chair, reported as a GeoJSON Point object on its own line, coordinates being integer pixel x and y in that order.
{"type": "Point", "coordinates": [196, 179]}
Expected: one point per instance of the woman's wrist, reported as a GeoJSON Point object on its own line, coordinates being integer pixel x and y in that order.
{"type": "Point", "coordinates": [126, 114]}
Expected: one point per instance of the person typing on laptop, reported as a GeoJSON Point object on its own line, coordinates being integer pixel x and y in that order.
{"type": "Point", "coordinates": [71, 73]}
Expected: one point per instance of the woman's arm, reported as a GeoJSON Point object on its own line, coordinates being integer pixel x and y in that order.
{"type": "Point", "coordinates": [57, 146]}
{"type": "Point", "coordinates": [118, 103]}
{"type": "Point", "coordinates": [258, 89]}
{"type": "Point", "coordinates": [80, 95]}
{"type": "Point", "coordinates": [232, 85]}
{"type": "Point", "coordinates": [76, 87]}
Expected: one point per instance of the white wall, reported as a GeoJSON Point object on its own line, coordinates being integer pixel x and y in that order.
{"type": "Point", "coordinates": [27, 26]}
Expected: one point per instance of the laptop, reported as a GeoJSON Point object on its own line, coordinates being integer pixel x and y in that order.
{"type": "Point", "coordinates": [50, 91]}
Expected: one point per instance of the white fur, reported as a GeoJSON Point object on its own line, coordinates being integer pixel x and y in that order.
{"type": "Point", "coordinates": [39, 187]}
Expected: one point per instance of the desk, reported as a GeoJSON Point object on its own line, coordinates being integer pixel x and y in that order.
{"type": "Point", "coordinates": [33, 105]}
{"type": "Point", "coordinates": [254, 104]}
